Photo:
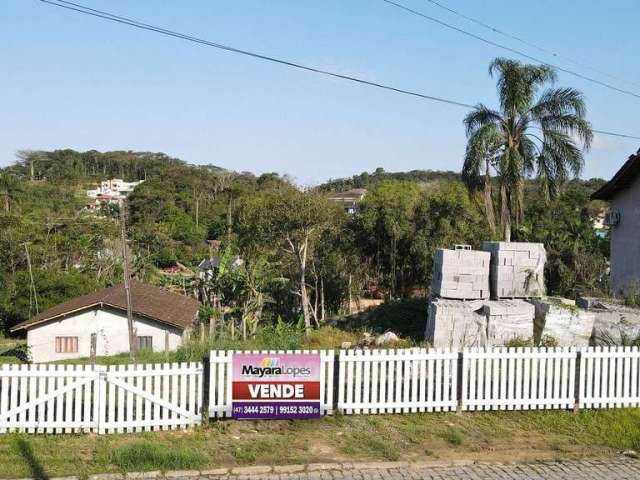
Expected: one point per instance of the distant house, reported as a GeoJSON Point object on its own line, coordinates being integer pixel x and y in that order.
{"type": "Point", "coordinates": [161, 319]}
{"type": "Point", "coordinates": [623, 219]}
{"type": "Point", "coordinates": [600, 222]}
{"type": "Point", "coordinates": [110, 191]}
{"type": "Point", "coordinates": [349, 199]}
{"type": "Point", "coordinates": [207, 268]}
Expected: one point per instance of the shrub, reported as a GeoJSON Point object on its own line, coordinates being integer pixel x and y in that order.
{"type": "Point", "coordinates": [404, 317]}
{"type": "Point", "coordinates": [452, 436]}
{"type": "Point", "coordinates": [280, 336]}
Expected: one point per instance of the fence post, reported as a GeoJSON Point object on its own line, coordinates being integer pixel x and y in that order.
{"type": "Point", "coordinates": [576, 383]}
{"type": "Point", "coordinates": [460, 367]}
{"type": "Point", "coordinates": [206, 384]}
{"type": "Point", "coordinates": [101, 396]}
{"type": "Point", "coordinates": [336, 380]}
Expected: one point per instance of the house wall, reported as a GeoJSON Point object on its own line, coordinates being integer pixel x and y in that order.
{"type": "Point", "coordinates": [110, 325]}
{"type": "Point", "coordinates": [625, 239]}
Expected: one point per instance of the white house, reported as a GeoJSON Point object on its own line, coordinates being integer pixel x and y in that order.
{"type": "Point", "coordinates": [623, 218]}
{"type": "Point", "coordinates": [349, 199]}
{"type": "Point", "coordinates": [161, 319]}
{"type": "Point", "coordinates": [111, 191]}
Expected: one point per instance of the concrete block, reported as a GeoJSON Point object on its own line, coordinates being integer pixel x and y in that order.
{"type": "Point", "coordinates": [215, 472]}
{"type": "Point", "coordinates": [614, 324]}
{"type": "Point", "coordinates": [456, 323]}
{"type": "Point", "coordinates": [461, 274]}
{"type": "Point", "coordinates": [256, 470]}
{"type": "Point", "coordinates": [314, 467]}
{"type": "Point", "coordinates": [289, 468]}
{"type": "Point", "coordinates": [508, 320]}
{"type": "Point", "coordinates": [570, 326]}
{"type": "Point", "coordinates": [517, 269]}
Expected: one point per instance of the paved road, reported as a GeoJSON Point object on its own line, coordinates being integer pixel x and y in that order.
{"type": "Point", "coordinates": [616, 469]}
{"type": "Point", "coordinates": [612, 469]}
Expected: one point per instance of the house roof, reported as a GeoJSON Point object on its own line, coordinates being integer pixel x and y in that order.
{"type": "Point", "coordinates": [353, 193]}
{"type": "Point", "coordinates": [621, 180]}
{"type": "Point", "coordinates": [148, 301]}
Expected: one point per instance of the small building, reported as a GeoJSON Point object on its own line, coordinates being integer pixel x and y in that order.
{"type": "Point", "coordinates": [349, 199]}
{"type": "Point", "coordinates": [623, 219]}
{"type": "Point", "coordinates": [161, 320]}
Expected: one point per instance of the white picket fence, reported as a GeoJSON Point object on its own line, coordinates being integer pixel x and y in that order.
{"type": "Point", "coordinates": [518, 378]}
{"type": "Point", "coordinates": [426, 380]}
{"type": "Point", "coordinates": [132, 398]}
{"type": "Point", "coordinates": [220, 379]}
{"type": "Point", "coordinates": [609, 377]}
{"type": "Point", "coordinates": [84, 398]}
{"type": "Point", "coordinates": [397, 381]}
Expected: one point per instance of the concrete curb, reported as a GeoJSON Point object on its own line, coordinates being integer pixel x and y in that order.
{"type": "Point", "coordinates": [277, 469]}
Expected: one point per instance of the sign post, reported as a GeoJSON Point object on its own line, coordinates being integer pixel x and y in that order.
{"type": "Point", "coordinates": [281, 386]}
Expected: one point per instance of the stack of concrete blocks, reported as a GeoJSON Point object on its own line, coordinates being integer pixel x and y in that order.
{"type": "Point", "coordinates": [563, 322]}
{"type": "Point", "coordinates": [461, 274]}
{"type": "Point", "coordinates": [508, 320]}
{"type": "Point", "coordinates": [517, 269]}
{"type": "Point", "coordinates": [614, 323]}
{"type": "Point", "coordinates": [456, 323]}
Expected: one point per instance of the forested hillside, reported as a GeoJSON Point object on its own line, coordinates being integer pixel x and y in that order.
{"type": "Point", "coordinates": [270, 238]}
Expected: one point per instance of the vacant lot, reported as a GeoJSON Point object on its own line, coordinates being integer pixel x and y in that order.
{"type": "Point", "coordinates": [499, 436]}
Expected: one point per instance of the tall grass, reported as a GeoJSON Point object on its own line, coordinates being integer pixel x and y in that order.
{"type": "Point", "coordinates": [145, 455]}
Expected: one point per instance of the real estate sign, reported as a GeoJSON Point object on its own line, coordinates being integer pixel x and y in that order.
{"type": "Point", "coordinates": [276, 386]}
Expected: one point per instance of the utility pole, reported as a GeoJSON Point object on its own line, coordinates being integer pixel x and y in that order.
{"type": "Point", "coordinates": [133, 347]}
{"type": "Point", "coordinates": [33, 285]}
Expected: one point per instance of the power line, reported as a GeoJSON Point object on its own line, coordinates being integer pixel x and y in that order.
{"type": "Point", "coordinates": [509, 49]}
{"type": "Point", "coordinates": [580, 63]}
{"type": "Point", "coordinates": [145, 26]}
{"type": "Point", "coordinates": [602, 132]}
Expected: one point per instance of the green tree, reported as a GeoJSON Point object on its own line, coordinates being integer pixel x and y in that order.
{"type": "Point", "coordinates": [292, 222]}
{"type": "Point", "coordinates": [532, 132]}
{"type": "Point", "coordinates": [9, 187]}
{"type": "Point", "coordinates": [385, 226]}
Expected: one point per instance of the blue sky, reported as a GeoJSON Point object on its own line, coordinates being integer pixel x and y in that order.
{"type": "Point", "coordinates": [72, 81]}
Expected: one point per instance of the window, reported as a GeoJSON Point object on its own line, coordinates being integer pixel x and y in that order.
{"type": "Point", "coordinates": [145, 343]}
{"type": "Point", "coordinates": [66, 344]}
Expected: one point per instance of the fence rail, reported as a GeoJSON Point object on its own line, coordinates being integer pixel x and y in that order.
{"type": "Point", "coordinates": [130, 398]}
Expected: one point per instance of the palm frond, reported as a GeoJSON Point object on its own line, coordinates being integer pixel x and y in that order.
{"type": "Point", "coordinates": [518, 84]}
{"type": "Point", "coordinates": [482, 147]}
{"type": "Point", "coordinates": [479, 117]}
{"type": "Point", "coordinates": [560, 101]}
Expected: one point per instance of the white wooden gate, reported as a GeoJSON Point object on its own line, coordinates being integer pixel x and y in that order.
{"type": "Point", "coordinates": [83, 398]}
{"type": "Point", "coordinates": [220, 379]}
{"type": "Point", "coordinates": [48, 398]}
{"type": "Point", "coordinates": [150, 397]}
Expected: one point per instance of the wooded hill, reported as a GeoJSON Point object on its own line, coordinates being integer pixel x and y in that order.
{"type": "Point", "coordinates": [302, 256]}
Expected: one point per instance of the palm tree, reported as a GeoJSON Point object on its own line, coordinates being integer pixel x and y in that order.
{"type": "Point", "coordinates": [534, 132]}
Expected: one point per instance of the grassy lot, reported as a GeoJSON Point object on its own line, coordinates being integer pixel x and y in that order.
{"type": "Point", "coordinates": [499, 436]}
{"type": "Point", "coordinates": [268, 339]}
{"type": "Point", "coordinates": [6, 347]}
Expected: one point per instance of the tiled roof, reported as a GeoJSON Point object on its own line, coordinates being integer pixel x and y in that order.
{"type": "Point", "coordinates": [148, 301]}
